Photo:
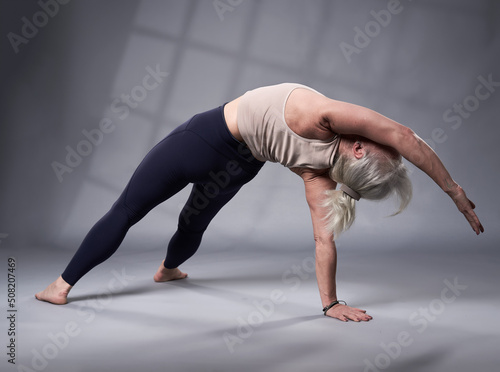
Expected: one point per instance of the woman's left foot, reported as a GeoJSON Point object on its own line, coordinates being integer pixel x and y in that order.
{"type": "Point", "coordinates": [165, 275]}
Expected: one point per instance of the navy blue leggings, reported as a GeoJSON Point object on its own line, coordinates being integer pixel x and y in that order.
{"type": "Point", "coordinates": [201, 151]}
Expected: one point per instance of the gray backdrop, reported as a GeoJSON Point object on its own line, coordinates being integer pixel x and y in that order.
{"type": "Point", "coordinates": [80, 66]}
{"type": "Point", "coordinates": [72, 74]}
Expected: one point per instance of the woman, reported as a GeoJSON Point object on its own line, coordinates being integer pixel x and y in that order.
{"type": "Point", "coordinates": [322, 140]}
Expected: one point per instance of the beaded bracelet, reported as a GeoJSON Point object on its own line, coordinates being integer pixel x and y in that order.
{"type": "Point", "coordinates": [326, 308]}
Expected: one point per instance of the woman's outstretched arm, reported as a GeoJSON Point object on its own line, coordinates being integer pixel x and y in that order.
{"type": "Point", "coordinates": [346, 118]}
{"type": "Point", "coordinates": [316, 183]}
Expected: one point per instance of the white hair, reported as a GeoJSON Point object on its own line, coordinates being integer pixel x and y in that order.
{"type": "Point", "coordinates": [374, 176]}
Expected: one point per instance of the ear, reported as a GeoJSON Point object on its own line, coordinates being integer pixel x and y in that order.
{"type": "Point", "coordinates": [358, 149]}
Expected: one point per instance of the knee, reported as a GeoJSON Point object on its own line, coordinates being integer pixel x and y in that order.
{"type": "Point", "coordinates": [190, 228]}
{"type": "Point", "coordinates": [185, 241]}
{"type": "Point", "coordinates": [122, 211]}
{"type": "Point", "coordinates": [188, 217]}
{"type": "Point", "coordinates": [190, 220]}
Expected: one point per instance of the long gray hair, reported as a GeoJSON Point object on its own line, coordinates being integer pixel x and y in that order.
{"type": "Point", "coordinates": [374, 176]}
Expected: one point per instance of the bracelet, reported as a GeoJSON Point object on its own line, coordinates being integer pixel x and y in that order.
{"type": "Point", "coordinates": [326, 308]}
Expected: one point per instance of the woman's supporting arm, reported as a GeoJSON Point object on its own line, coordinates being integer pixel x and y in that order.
{"type": "Point", "coordinates": [316, 183]}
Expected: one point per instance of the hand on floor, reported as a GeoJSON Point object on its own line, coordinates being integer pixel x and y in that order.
{"type": "Point", "coordinates": [346, 313]}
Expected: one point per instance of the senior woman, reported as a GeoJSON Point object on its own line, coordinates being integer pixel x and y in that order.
{"type": "Point", "coordinates": [322, 140]}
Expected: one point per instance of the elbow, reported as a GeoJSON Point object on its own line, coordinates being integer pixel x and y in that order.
{"type": "Point", "coordinates": [325, 249]}
{"type": "Point", "coordinates": [407, 131]}
{"type": "Point", "coordinates": [406, 134]}
{"type": "Point", "coordinates": [319, 240]}
{"type": "Point", "coordinates": [406, 141]}
{"type": "Point", "coordinates": [414, 141]}
{"type": "Point", "coordinates": [322, 241]}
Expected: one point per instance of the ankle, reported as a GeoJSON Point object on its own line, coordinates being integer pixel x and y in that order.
{"type": "Point", "coordinates": [166, 268]}
{"type": "Point", "coordinates": [63, 285]}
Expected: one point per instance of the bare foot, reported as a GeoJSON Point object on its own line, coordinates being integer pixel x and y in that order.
{"type": "Point", "coordinates": [164, 275]}
{"type": "Point", "coordinates": [55, 293]}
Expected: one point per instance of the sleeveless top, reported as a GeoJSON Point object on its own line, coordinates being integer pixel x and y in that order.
{"type": "Point", "coordinates": [262, 125]}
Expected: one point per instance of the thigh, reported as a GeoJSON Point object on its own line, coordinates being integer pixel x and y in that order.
{"type": "Point", "coordinates": [186, 156]}
{"type": "Point", "coordinates": [158, 177]}
{"type": "Point", "coordinates": [181, 158]}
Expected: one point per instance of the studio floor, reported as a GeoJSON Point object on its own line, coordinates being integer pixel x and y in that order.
{"type": "Point", "coordinates": [433, 309]}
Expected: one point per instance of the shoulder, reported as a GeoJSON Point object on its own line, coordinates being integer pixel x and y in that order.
{"type": "Point", "coordinates": [316, 182]}
{"type": "Point", "coordinates": [306, 113]}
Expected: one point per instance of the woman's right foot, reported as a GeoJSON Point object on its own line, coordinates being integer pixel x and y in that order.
{"type": "Point", "coordinates": [56, 293]}
{"type": "Point", "coordinates": [165, 275]}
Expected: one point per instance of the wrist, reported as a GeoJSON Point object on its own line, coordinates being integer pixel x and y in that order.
{"type": "Point", "coordinates": [328, 302]}
{"type": "Point", "coordinates": [328, 298]}
{"type": "Point", "coordinates": [332, 304]}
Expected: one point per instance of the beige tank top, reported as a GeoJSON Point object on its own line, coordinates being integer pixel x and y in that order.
{"type": "Point", "coordinates": [261, 122]}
